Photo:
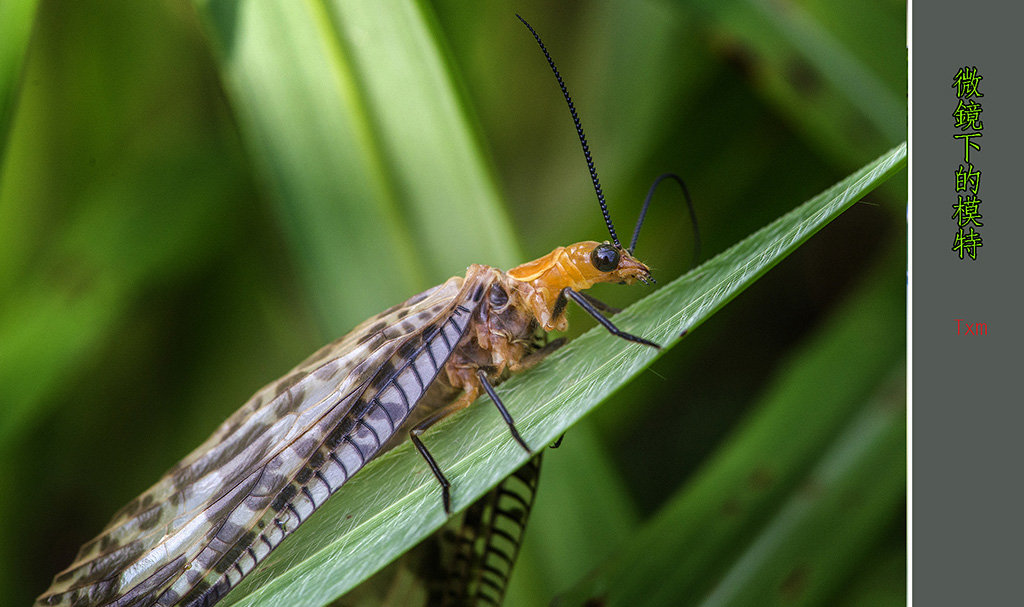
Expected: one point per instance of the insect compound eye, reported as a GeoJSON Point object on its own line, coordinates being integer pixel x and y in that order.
{"type": "Point", "coordinates": [605, 257]}
{"type": "Point", "coordinates": [497, 296]}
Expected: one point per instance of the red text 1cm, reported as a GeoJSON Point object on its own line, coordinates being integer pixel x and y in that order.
{"type": "Point", "coordinates": [965, 328]}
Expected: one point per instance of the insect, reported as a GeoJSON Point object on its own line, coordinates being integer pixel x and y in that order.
{"type": "Point", "coordinates": [218, 513]}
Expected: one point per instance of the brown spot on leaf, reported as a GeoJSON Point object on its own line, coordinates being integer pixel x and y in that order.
{"type": "Point", "coordinates": [761, 478]}
{"type": "Point", "coordinates": [731, 508]}
{"type": "Point", "coordinates": [792, 588]}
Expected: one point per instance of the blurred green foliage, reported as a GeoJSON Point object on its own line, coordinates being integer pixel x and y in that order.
{"type": "Point", "coordinates": [171, 239]}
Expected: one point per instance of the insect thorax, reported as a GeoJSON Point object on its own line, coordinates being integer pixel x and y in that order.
{"type": "Point", "coordinates": [503, 332]}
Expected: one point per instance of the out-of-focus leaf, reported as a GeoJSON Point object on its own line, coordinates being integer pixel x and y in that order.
{"type": "Point", "coordinates": [351, 112]}
{"type": "Point", "coordinates": [16, 18]}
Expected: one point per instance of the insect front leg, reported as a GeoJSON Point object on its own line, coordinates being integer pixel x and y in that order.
{"type": "Point", "coordinates": [600, 305]}
{"type": "Point", "coordinates": [584, 302]}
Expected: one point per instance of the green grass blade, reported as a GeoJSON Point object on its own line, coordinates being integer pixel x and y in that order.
{"type": "Point", "coordinates": [360, 144]}
{"type": "Point", "coordinates": [16, 17]}
{"type": "Point", "coordinates": [818, 64]}
{"type": "Point", "coordinates": [395, 502]}
{"type": "Point", "coordinates": [758, 520]}
{"type": "Point", "coordinates": [815, 540]}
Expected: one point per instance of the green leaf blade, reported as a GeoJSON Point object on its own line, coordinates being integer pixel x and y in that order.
{"type": "Point", "coordinates": [394, 502]}
{"type": "Point", "coordinates": [360, 144]}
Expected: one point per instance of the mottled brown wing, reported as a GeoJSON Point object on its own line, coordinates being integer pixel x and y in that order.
{"type": "Point", "coordinates": [185, 534]}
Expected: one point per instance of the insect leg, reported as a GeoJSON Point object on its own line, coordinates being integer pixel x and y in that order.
{"type": "Point", "coordinates": [607, 324]}
{"type": "Point", "coordinates": [446, 496]}
{"type": "Point", "coordinates": [477, 561]}
{"type": "Point", "coordinates": [600, 305]}
{"type": "Point", "coordinates": [463, 401]}
{"type": "Point", "coordinates": [501, 409]}
{"type": "Point", "coordinates": [533, 358]}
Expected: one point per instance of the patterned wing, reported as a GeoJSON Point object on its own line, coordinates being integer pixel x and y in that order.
{"type": "Point", "coordinates": [222, 509]}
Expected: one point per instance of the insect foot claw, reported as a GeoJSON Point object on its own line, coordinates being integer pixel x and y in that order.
{"type": "Point", "coordinates": [519, 439]}
{"type": "Point", "coordinates": [637, 339]}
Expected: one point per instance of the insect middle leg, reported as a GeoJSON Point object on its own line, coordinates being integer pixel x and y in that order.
{"type": "Point", "coordinates": [462, 402]}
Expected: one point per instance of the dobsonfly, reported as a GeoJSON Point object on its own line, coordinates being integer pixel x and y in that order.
{"type": "Point", "coordinates": [219, 512]}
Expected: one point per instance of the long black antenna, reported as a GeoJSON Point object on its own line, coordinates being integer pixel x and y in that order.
{"type": "Point", "coordinates": [689, 206]}
{"type": "Point", "coordinates": [579, 131]}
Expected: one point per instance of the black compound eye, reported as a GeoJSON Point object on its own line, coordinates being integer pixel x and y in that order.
{"type": "Point", "coordinates": [497, 296]}
{"type": "Point", "coordinates": [605, 257]}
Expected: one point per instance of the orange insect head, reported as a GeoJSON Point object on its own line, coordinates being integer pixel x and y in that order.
{"type": "Point", "coordinates": [578, 266]}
